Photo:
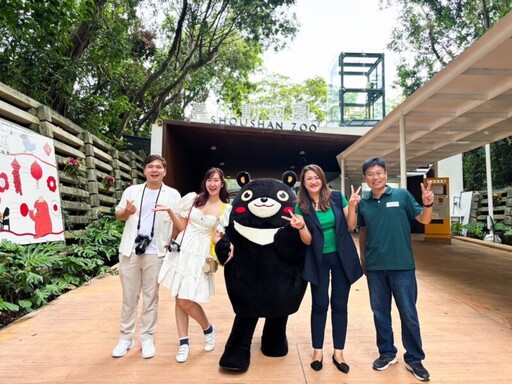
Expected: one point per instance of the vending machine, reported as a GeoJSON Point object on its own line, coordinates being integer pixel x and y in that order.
{"type": "Point", "coordinates": [439, 229]}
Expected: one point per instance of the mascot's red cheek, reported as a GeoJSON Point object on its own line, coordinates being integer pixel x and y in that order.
{"type": "Point", "coordinates": [288, 210]}
{"type": "Point", "coordinates": [240, 209]}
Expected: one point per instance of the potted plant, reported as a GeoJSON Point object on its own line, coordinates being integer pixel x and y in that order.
{"type": "Point", "coordinates": [108, 182]}
{"type": "Point", "coordinates": [72, 167]}
{"type": "Point", "coordinates": [475, 230]}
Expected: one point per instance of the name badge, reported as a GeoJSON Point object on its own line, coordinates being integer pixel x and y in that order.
{"type": "Point", "coordinates": [392, 204]}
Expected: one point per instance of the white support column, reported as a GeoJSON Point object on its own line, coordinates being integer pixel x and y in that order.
{"type": "Point", "coordinates": [343, 176]}
{"type": "Point", "coordinates": [490, 202]}
{"type": "Point", "coordinates": [403, 153]}
{"type": "Point", "coordinates": [157, 137]}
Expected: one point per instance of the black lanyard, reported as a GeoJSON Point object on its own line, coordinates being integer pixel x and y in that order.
{"type": "Point", "coordinates": [154, 213]}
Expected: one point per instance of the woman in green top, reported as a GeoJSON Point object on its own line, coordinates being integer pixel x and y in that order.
{"type": "Point", "coordinates": [324, 220]}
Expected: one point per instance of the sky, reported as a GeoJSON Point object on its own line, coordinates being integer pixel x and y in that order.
{"type": "Point", "coordinates": [329, 27]}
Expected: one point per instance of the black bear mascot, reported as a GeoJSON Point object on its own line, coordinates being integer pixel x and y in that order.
{"type": "Point", "coordinates": [263, 279]}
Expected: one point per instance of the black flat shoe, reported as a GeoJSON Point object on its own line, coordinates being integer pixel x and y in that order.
{"type": "Point", "coordinates": [343, 367]}
{"type": "Point", "coordinates": [317, 365]}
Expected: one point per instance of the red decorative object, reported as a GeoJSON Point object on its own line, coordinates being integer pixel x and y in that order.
{"type": "Point", "coordinates": [24, 209]}
{"type": "Point", "coordinates": [72, 167]}
{"type": "Point", "coordinates": [16, 176]}
{"type": "Point", "coordinates": [108, 182]}
{"type": "Point", "coordinates": [15, 165]}
{"type": "Point", "coordinates": [36, 171]}
{"type": "Point", "coordinates": [55, 208]}
{"type": "Point", "coordinates": [4, 182]}
{"type": "Point", "coordinates": [47, 149]}
{"type": "Point", "coordinates": [51, 183]}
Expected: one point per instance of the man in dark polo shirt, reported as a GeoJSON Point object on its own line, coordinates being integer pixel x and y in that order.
{"type": "Point", "coordinates": [384, 218]}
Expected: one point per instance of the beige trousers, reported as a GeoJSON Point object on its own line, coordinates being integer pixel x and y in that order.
{"type": "Point", "coordinates": [139, 275]}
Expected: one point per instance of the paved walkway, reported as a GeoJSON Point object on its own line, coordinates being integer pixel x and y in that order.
{"type": "Point", "coordinates": [464, 303]}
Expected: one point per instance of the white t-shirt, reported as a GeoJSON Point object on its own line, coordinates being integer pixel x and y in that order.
{"type": "Point", "coordinates": [163, 224]}
{"type": "Point", "coordinates": [149, 201]}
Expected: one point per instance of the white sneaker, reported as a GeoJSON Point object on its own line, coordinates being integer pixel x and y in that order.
{"type": "Point", "coordinates": [209, 340]}
{"type": "Point", "coordinates": [182, 354]}
{"type": "Point", "coordinates": [148, 349]}
{"type": "Point", "coordinates": [122, 347]}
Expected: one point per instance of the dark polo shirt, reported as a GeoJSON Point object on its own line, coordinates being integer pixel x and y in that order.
{"type": "Point", "coordinates": [388, 228]}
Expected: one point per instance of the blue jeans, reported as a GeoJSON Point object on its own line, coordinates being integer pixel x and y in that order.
{"type": "Point", "coordinates": [401, 285]}
{"type": "Point", "coordinates": [331, 270]}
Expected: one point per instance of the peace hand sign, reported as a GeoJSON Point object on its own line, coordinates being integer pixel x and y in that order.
{"type": "Point", "coordinates": [427, 196]}
{"type": "Point", "coordinates": [355, 197]}
{"type": "Point", "coordinates": [295, 221]}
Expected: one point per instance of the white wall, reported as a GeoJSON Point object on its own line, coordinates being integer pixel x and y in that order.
{"type": "Point", "coordinates": [157, 134]}
{"type": "Point", "coordinates": [451, 167]}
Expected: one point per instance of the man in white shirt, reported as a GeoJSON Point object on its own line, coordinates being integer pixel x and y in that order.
{"type": "Point", "coordinates": [141, 251]}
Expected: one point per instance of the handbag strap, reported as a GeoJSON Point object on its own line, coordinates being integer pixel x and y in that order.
{"type": "Point", "coordinates": [222, 207]}
{"type": "Point", "coordinates": [188, 219]}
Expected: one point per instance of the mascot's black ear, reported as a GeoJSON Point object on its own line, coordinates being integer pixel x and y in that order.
{"type": "Point", "coordinates": [289, 178]}
{"type": "Point", "coordinates": [243, 178]}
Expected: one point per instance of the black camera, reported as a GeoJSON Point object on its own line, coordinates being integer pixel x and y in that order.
{"type": "Point", "coordinates": [142, 242]}
{"type": "Point", "coordinates": [174, 247]}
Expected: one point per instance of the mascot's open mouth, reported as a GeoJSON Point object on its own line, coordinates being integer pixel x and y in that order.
{"type": "Point", "coordinates": [256, 235]}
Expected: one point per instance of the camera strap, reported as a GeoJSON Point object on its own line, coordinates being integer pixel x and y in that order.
{"type": "Point", "coordinates": [154, 213]}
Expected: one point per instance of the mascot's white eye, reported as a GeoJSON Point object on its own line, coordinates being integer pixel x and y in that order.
{"type": "Point", "coordinates": [283, 195]}
{"type": "Point", "coordinates": [247, 195]}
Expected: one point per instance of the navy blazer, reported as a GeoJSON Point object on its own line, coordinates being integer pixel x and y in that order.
{"type": "Point", "coordinates": [344, 244]}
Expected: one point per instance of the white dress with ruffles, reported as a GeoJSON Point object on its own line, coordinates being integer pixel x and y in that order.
{"type": "Point", "coordinates": [182, 272]}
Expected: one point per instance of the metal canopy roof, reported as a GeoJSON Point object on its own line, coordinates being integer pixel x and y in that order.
{"type": "Point", "coordinates": [466, 105]}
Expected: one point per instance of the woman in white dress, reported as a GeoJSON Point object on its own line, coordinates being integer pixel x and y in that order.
{"type": "Point", "coordinates": [198, 217]}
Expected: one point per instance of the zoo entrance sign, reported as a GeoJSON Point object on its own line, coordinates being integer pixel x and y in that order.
{"type": "Point", "coordinates": [292, 125]}
{"type": "Point", "coordinates": [250, 118]}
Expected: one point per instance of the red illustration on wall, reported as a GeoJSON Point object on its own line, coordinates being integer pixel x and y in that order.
{"type": "Point", "coordinates": [30, 207]}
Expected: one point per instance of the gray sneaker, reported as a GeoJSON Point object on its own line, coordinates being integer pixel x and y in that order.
{"type": "Point", "coordinates": [382, 363]}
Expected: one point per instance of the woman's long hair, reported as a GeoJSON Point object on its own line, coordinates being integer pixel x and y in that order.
{"type": "Point", "coordinates": [305, 202]}
{"type": "Point", "coordinates": [203, 196]}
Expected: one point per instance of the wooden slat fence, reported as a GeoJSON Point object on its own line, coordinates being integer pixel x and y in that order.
{"type": "Point", "coordinates": [86, 196]}
{"type": "Point", "coordinates": [502, 206]}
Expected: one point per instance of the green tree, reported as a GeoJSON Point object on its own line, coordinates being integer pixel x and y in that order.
{"type": "Point", "coordinates": [272, 87]}
{"type": "Point", "coordinates": [226, 78]}
{"type": "Point", "coordinates": [114, 66]}
{"type": "Point", "coordinates": [429, 34]}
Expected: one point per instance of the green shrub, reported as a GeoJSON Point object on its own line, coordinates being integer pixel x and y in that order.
{"type": "Point", "coordinates": [456, 229]}
{"type": "Point", "coordinates": [100, 240]}
{"type": "Point", "coordinates": [501, 227]}
{"type": "Point", "coordinates": [32, 275]}
{"type": "Point", "coordinates": [26, 275]}
{"type": "Point", "coordinates": [475, 230]}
